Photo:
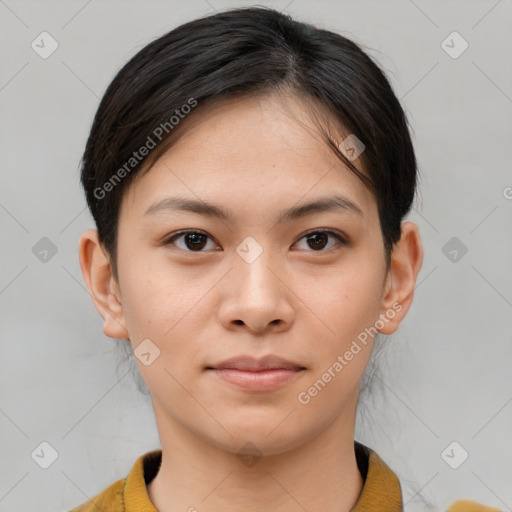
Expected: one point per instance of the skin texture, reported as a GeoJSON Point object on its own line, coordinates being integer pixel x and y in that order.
{"type": "Point", "coordinates": [304, 302]}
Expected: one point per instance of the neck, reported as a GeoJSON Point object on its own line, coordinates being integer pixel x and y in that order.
{"type": "Point", "coordinates": [319, 475]}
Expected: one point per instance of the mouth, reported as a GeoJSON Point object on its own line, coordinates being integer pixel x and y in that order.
{"type": "Point", "coordinates": [249, 363]}
{"type": "Point", "coordinates": [261, 380]}
{"type": "Point", "coordinates": [265, 374]}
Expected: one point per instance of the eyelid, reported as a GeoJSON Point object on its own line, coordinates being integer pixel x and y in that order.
{"type": "Point", "coordinates": [329, 231]}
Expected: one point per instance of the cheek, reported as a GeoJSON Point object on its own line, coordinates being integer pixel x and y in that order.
{"type": "Point", "coordinates": [154, 299]}
{"type": "Point", "coordinates": [345, 300]}
{"type": "Point", "coordinates": [145, 308]}
{"type": "Point", "coordinates": [340, 344]}
{"type": "Point", "coordinates": [159, 310]}
{"type": "Point", "coordinates": [168, 309]}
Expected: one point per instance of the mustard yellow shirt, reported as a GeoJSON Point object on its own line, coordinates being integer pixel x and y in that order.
{"type": "Point", "coordinates": [381, 489]}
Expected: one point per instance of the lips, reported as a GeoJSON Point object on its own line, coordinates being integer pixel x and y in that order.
{"type": "Point", "coordinates": [252, 364]}
{"type": "Point", "coordinates": [250, 374]}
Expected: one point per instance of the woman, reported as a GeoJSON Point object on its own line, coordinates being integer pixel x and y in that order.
{"type": "Point", "coordinates": [248, 176]}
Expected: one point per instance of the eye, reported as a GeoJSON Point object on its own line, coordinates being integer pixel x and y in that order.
{"type": "Point", "coordinates": [193, 241]}
{"type": "Point", "coordinates": [317, 239]}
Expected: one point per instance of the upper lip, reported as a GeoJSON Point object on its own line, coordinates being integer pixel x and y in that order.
{"type": "Point", "coordinates": [248, 363]}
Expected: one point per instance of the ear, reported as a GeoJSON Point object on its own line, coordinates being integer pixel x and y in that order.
{"type": "Point", "coordinates": [102, 285]}
{"type": "Point", "coordinates": [398, 291]}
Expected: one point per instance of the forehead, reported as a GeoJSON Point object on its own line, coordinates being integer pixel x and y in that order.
{"type": "Point", "coordinates": [250, 153]}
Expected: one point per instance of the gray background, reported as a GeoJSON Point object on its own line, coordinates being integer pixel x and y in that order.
{"type": "Point", "coordinates": [445, 374]}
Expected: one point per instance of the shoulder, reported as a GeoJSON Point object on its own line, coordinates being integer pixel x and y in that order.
{"type": "Point", "coordinates": [110, 499]}
{"type": "Point", "coordinates": [129, 493]}
{"type": "Point", "coordinates": [381, 489]}
{"type": "Point", "coordinates": [470, 506]}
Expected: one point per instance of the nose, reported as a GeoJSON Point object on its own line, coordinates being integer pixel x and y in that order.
{"type": "Point", "coordinates": [257, 294]}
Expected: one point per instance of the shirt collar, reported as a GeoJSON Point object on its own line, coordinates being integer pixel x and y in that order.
{"type": "Point", "coordinates": [381, 489]}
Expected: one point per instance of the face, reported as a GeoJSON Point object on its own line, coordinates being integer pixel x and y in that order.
{"type": "Point", "coordinates": [204, 288]}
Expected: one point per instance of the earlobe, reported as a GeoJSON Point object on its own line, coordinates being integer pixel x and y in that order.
{"type": "Point", "coordinates": [102, 286]}
{"type": "Point", "coordinates": [406, 261]}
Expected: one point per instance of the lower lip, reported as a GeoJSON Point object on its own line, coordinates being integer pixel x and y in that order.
{"type": "Point", "coordinates": [264, 380]}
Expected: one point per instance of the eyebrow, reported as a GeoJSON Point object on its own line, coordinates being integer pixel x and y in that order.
{"type": "Point", "coordinates": [324, 204]}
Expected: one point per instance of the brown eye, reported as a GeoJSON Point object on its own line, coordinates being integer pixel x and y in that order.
{"type": "Point", "coordinates": [193, 241]}
{"type": "Point", "coordinates": [318, 240]}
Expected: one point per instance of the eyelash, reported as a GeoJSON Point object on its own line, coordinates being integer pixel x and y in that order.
{"type": "Point", "coordinates": [169, 240]}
